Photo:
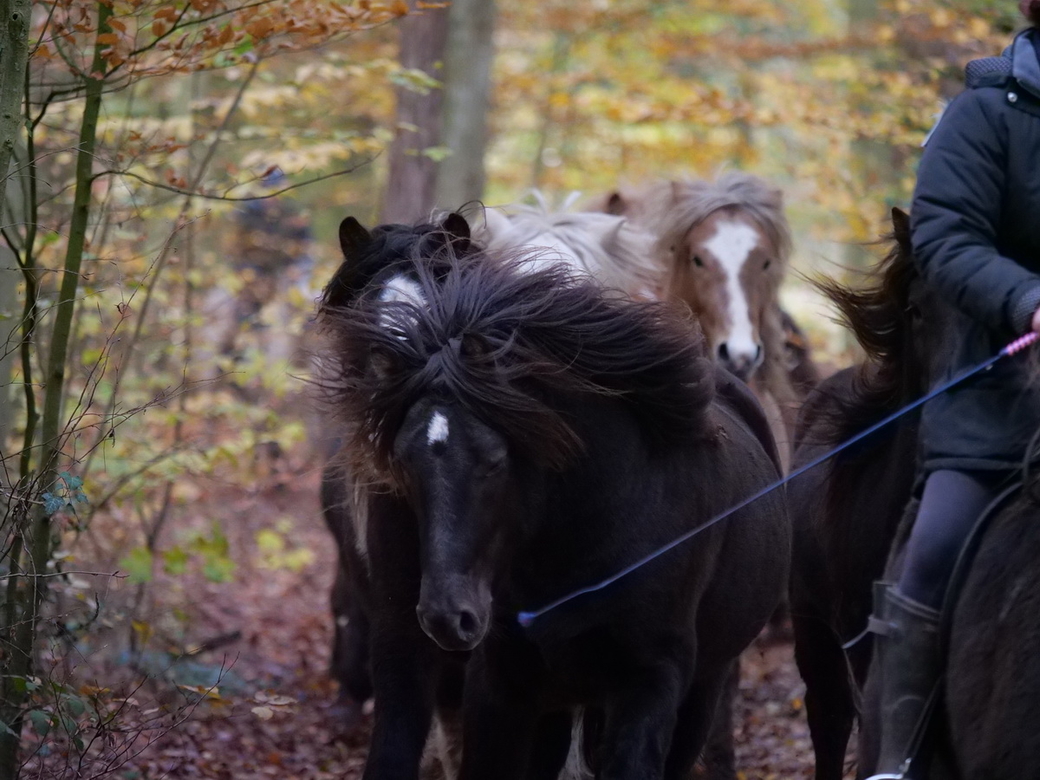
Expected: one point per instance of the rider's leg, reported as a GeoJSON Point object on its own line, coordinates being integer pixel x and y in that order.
{"type": "Point", "coordinates": [951, 503]}
{"type": "Point", "coordinates": [907, 614]}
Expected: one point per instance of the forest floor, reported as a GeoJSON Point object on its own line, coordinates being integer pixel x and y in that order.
{"type": "Point", "coordinates": [272, 714]}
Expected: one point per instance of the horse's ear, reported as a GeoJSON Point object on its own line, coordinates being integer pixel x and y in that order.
{"type": "Point", "coordinates": [456, 226]}
{"type": "Point", "coordinates": [616, 204]}
{"type": "Point", "coordinates": [339, 292]}
{"type": "Point", "coordinates": [900, 224]}
{"type": "Point", "coordinates": [611, 236]}
{"type": "Point", "coordinates": [352, 236]}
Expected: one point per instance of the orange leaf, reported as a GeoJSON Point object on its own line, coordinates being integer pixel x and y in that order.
{"type": "Point", "coordinates": [116, 24]}
{"type": "Point", "coordinates": [167, 13]}
{"type": "Point", "coordinates": [108, 39]}
{"type": "Point", "coordinates": [158, 28]}
{"type": "Point", "coordinates": [399, 8]}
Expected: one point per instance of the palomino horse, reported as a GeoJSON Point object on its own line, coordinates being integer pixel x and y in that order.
{"type": "Point", "coordinates": [724, 246]}
{"type": "Point", "coordinates": [611, 249]}
{"type": "Point", "coordinates": [522, 434]}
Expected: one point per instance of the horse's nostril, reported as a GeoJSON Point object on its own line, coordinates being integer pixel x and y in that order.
{"type": "Point", "coordinates": [723, 351]}
{"type": "Point", "coordinates": [467, 623]}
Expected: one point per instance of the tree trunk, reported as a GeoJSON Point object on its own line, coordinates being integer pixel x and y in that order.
{"type": "Point", "coordinates": [14, 53]}
{"type": "Point", "coordinates": [412, 180]}
{"type": "Point", "coordinates": [467, 96]}
{"type": "Point", "coordinates": [20, 634]}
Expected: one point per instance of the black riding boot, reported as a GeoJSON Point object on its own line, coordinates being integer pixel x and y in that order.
{"type": "Point", "coordinates": [907, 648]}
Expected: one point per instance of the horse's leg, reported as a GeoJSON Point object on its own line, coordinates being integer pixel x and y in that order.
{"type": "Point", "coordinates": [640, 723]}
{"type": "Point", "coordinates": [709, 697]}
{"type": "Point", "coordinates": [404, 676]}
{"type": "Point", "coordinates": [499, 718]}
{"type": "Point", "coordinates": [350, 651]}
{"type": "Point", "coordinates": [829, 703]}
{"type": "Point", "coordinates": [719, 756]}
{"type": "Point", "coordinates": [552, 745]}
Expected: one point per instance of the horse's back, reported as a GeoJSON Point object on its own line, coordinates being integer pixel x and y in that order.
{"type": "Point", "coordinates": [738, 397]}
{"type": "Point", "coordinates": [993, 677]}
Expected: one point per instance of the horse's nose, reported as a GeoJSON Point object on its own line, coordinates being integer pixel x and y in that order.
{"type": "Point", "coordinates": [743, 362]}
{"type": "Point", "coordinates": [452, 629]}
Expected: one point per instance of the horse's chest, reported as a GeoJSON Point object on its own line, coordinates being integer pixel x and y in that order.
{"type": "Point", "coordinates": [591, 666]}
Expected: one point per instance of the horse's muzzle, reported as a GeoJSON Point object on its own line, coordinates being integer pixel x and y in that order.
{"type": "Point", "coordinates": [456, 618]}
{"type": "Point", "coordinates": [740, 364]}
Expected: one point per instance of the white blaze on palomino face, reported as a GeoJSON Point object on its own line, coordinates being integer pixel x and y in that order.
{"type": "Point", "coordinates": [438, 430]}
{"type": "Point", "coordinates": [731, 245]}
{"type": "Point", "coordinates": [400, 289]}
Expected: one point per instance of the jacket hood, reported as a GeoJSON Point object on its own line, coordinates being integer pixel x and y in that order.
{"type": "Point", "coordinates": [1025, 66]}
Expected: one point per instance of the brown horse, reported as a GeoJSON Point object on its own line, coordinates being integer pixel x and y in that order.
{"type": "Point", "coordinates": [724, 246]}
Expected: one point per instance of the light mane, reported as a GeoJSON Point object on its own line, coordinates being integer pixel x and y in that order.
{"type": "Point", "coordinates": [609, 248]}
{"type": "Point", "coordinates": [676, 206]}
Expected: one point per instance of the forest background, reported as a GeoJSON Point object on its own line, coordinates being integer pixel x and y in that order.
{"type": "Point", "coordinates": [157, 459]}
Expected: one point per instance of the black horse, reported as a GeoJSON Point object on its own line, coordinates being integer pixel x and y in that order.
{"type": "Point", "coordinates": [851, 516]}
{"type": "Point", "coordinates": [846, 511]}
{"type": "Point", "coordinates": [521, 435]}
{"type": "Point", "coordinates": [380, 266]}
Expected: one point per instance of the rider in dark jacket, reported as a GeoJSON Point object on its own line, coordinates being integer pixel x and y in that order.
{"type": "Point", "coordinates": [975, 227]}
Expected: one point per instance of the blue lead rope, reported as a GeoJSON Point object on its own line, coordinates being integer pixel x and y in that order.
{"type": "Point", "coordinates": [1016, 346]}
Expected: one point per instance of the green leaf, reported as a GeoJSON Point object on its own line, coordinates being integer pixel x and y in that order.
{"type": "Point", "coordinates": [5, 729]}
{"type": "Point", "coordinates": [218, 569]}
{"type": "Point", "coordinates": [41, 722]}
{"type": "Point", "coordinates": [52, 503]}
{"type": "Point", "coordinates": [75, 706]}
{"type": "Point", "coordinates": [138, 565]}
{"type": "Point", "coordinates": [175, 561]}
{"type": "Point", "coordinates": [437, 153]}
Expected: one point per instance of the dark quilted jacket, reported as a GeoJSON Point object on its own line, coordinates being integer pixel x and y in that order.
{"type": "Point", "coordinates": [975, 224]}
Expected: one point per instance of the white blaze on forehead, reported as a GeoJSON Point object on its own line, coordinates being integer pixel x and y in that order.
{"type": "Point", "coordinates": [731, 245]}
{"type": "Point", "coordinates": [399, 289]}
{"type": "Point", "coordinates": [438, 430]}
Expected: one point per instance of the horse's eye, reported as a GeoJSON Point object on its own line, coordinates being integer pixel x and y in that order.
{"type": "Point", "coordinates": [766, 264]}
{"type": "Point", "coordinates": [697, 261]}
{"type": "Point", "coordinates": [492, 467]}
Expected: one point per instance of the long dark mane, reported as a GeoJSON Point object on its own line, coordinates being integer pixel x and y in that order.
{"type": "Point", "coordinates": [880, 317]}
{"type": "Point", "coordinates": [504, 341]}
